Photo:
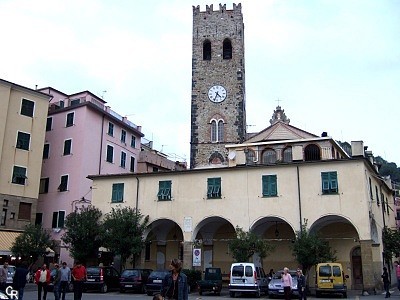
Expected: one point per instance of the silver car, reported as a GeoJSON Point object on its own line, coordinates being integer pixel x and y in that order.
{"type": "Point", "coordinates": [275, 286]}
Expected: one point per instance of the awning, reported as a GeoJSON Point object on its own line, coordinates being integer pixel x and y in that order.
{"type": "Point", "coordinates": [7, 238]}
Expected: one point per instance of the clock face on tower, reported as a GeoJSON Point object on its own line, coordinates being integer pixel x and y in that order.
{"type": "Point", "coordinates": [217, 93]}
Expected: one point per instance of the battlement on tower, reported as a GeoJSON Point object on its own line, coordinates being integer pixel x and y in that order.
{"type": "Point", "coordinates": [237, 9]}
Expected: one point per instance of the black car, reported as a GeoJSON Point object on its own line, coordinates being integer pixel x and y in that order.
{"type": "Point", "coordinates": [134, 280]}
{"type": "Point", "coordinates": [101, 278]}
{"type": "Point", "coordinates": [155, 282]}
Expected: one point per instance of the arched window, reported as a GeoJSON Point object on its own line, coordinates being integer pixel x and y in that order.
{"type": "Point", "coordinates": [287, 154]}
{"type": "Point", "coordinates": [312, 152]}
{"type": "Point", "coordinates": [220, 131]}
{"type": "Point", "coordinates": [227, 49]}
{"type": "Point", "coordinates": [217, 130]}
{"type": "Point", "coordinates": [207, 50]}
{"type": "Point", "coordinates": [269, 156]}
{"type": "Point", "coordinates": [250, 156]}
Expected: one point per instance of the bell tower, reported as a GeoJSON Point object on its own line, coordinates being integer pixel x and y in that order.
{"type": "Point", "coordinates": [218, 108]}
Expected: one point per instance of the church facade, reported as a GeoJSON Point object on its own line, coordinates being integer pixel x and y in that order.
{"type": "Point", "coordinates": [272, 182]}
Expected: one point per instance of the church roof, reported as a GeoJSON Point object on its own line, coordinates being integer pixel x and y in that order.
{"type": "Point", "coordinates": [279, 130]}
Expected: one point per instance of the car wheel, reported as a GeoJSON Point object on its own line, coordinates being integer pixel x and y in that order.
{"type": "Point", "coordinates": [149, 293]}
{"type": "Point", "coordinates": [232, 294]}
{"type": "Point", "coordinates": [344, 295]}
{"type": "Point", "coordinates": [104, 288]}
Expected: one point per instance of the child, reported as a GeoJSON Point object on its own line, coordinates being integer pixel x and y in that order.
{"type": "Point", "coordinates": [386, 282]}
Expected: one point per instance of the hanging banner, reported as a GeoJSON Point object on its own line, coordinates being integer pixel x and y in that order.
{"type": "Point", "coordinates": [196, 257]}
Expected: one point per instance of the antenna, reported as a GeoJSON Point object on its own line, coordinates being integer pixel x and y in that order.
{"type": "Point", "coordinates": [102, 95]}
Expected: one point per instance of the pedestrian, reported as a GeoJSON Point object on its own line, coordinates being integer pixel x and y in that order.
{"type": "Point", "coordinates": [20, 279]}
{"type": "Point", "coordinates": [79, 276]}
{"type": "Point", "coordinates": [3, 277]}
{"type": "Point", "coordinates": [56, 281]}
{"type": "Point", "coordinates": [175, 285]}
{"type": "Point", "coordinates": [42, 279]}
{"type": "Point", "coordinates": [287, 283]}
{"type": "Point", "coordinates": [397, 269]}
{"type": "Point", "coordinates": [65, 279]}
{"type": "Point", "coordinates": [386, 282]}
{"type": "Point", "coordinates": [301, 285]}
{"type": "Point", "coordinates": [271, 274]}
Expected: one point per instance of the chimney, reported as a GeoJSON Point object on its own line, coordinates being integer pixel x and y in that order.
{"type": "Point", "coordinates": [357, 148]}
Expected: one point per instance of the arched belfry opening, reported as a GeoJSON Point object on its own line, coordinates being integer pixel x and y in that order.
{"type": "Point", "coordinates": [227, 49]}
{"type": "Point", "coordinates": [207, 50]}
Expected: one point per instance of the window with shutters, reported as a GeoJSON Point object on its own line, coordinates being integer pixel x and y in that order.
{"type": "Point", "coordinates": [110, 154]}
{"type": "Point", "coordinates": [123, 159]}
{"type": "Point", "coordinates": [27, 107]}
{"type": "Point", "coordinates": [24, 211]}
{"type": "Point", "coordinates": [58, 219]}
{"type": "Point", "coordinates": [70, 119]}
{"type": "Point", "coordinates": [132, 166]}
{"type": "Point", "coordinates": [19, 175]}
{"type": "Point", "coordinates": [23, 140]}
{"type": "Point", "coordinates": [44, 186]}
{"type": "Point", "coordinates": [117, 192]}
{"type": "Point", "coordinates": [329, 182]}
{"type": "Point", "coordinates": [110, 129]}
{"type": "Point", "coordinates": [269, 186]}
{"type": "Point", "coordinates": [164, 190]}
{"type": "Point", "coordinates": [123, 136]}
{"type": "Point", "coordinates": [214, 188]}
{"type": "Point", "coordinates": [63, 183]}
{"type": "Point", "coordinates": [46, 151]}
{"type": "Point", "coordinates": [67, 147]}
{"type": "Point", "coordinates": [49, 124]}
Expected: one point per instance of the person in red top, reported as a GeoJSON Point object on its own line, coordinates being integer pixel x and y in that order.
{"type": "Point", "coordinates": [42, 279]}
{"type": "Point", "coordinates": [79, 276]}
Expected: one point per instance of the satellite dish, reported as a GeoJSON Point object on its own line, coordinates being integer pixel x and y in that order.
{"type": "Point", "coordinates": [232, 155]}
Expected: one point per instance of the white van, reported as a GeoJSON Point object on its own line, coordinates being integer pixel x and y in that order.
{"type": "Point", "coordinates": [247, 278]}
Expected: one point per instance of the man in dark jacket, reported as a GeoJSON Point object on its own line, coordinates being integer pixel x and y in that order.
{"type": "Point", "coordinates": [301, 285]}
{"type": "Point", "coordinates": [19, 280]}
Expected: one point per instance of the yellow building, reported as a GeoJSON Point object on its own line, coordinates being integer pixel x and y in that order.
{"type": "Point", "coordinates": [22, 130]}
{"type": "Point", "coordinates": [271, 187]}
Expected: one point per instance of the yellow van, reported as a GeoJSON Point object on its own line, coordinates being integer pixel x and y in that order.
{"type": "Point", "coordinates": [330, 278]}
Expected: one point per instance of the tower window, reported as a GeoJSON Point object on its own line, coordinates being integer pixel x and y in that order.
{"type": "Point", "coordinates": [269, 156]}
{"type": "Point", "coordinates": [207, 50]}
{"type": "Point", "coordinates": [217, 131]}
{"type": "Point", "coordinates": [227, 49]}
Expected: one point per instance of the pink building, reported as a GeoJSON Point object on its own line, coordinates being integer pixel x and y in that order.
{"type": "Point", "coordinates": [83, 137]}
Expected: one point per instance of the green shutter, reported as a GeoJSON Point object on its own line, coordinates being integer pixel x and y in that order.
{"type": "Point", "coordinates": [54, 221]}
{"type": "Point", "coordinates": [61, 217]}
{"type": "Point", "coordinates": [273, 185]}
{"type": "Point", "coordinates": [269, 185]}
{"type": "Point", "coordinates": [325, 182]}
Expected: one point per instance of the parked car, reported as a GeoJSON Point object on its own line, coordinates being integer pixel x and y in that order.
{"type": "Point", "coordinates": [155, 282]}
{"type": "Point", "coordinates": [134, 280]}
{"type": "Point", "coordinates": [3, 296]}
{"type": "Point", "coordinates": [212, 281]}
{"type": "Point", "coordinates": [10, 274]}
{"type": "Point", "coordinates": [246, 278]}
{"type": "Point", "coordinates": [101, 278]}
{"type": "Point", "coordinates": [275, 286]}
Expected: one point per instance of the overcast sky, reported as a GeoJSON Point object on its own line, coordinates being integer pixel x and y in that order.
{"type": "Point", "coordinates": [334, 64]}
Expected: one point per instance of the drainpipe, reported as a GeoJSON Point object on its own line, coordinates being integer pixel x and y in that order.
{"type": "Point", "coordinates": [299, 196]}
{"type": "Point", "coordinates": [137, 194]}
{"type": "Point", "coordinates": [101, 144]}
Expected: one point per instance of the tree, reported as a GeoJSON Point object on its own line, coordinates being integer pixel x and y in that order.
{"type": "Point", "coordinates": [83, 233]}
{"type": "Point", "coordinates": [246, 244]}
{"type": "Point", "coordinates": [309, 249]}
{"type": "Point", "coordinates": [32, 243]}
{"type": "Point", "coordinates": [123, 232]}
{"type": "Point", "coordinates": [391, 243]}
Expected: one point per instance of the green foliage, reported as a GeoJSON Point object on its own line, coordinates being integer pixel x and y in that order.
{"type": "Point", "coordinates": [83, 233]}
{"type": "Point", "coordinates": [391, 243]}
{"type": "Point", "coordinates": [32, 243]}
{"type": "Point", "coordinates": [123, 232]}
{"type": "Point", "coordinates": [388, 169]}
{"type": "Point", "coordinates": [246, 244]}
{"type": "Point", "coordinates": [192, 276]}
{"type": "Point", "coordinates": [309, 249]}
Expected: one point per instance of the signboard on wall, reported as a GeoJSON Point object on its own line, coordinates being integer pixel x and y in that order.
{"type": "Point", "coordinates": [196, 257]}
